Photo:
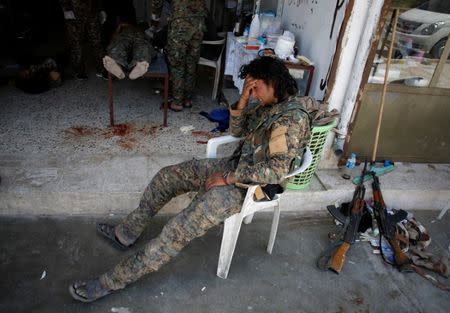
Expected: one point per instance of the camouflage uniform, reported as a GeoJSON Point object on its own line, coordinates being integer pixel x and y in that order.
{"type": "Point", "coordinates": [274, 136]}
{"type": "Point", "coordinates": [86, 21]}
{"type": "Point", "coordinates": [186, 27]}
{"type": "Point", "coordinates": [128, 47]}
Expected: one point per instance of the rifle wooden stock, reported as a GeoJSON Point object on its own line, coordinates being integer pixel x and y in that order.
{"type": "Point", "coordinates": [357, 206]}
{"type": "Point", "coordinates": [401, 239]}
{"type": "Point", "coordinates": [400, 257]}
{"type": "Point", "coordinates": [377, 196]}
{"type": "Point", "coordinates": [338, 257]}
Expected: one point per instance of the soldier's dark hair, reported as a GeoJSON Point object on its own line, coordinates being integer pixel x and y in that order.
{"type": "Point", "coordinates": [273, 72]}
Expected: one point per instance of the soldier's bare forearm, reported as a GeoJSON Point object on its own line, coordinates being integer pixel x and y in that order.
{"type": "Point", "coordinates": [242, 103]}
{"type": "Point", "coordinates": [230, 178]}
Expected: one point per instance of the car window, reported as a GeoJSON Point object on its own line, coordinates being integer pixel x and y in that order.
{"type": "Point", "coordinates": [419, 43]}
{"type": "Point", "coordinates": [442, 6]}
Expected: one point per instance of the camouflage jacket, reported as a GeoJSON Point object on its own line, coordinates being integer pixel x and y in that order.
{"type": "Point", "coordinates": [82, 8]}
{"type": "Point", "coordinates": [273, 137]}
{"type": "Point", "coordinates": [181, 8]}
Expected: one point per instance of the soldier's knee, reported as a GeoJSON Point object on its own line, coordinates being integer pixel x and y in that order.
{"type": "Point", "coordinates": [220, 203]}
{"type": "Point", "coordinates": [166, 171]}
{"type": "Point", "coordinates": [168, 175]}
{"type": "Point", "coordinates": [184, 227]}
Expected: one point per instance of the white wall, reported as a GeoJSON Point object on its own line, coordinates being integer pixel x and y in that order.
{"type": "Point", "coordinates": [311, 21]}
{"type": "Point", "coordinates": [356, 44]}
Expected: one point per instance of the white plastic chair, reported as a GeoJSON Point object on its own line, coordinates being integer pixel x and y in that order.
{"type": "Point", "coordinates": [249, 207]}
{"type": "Point", "coordinates": [443, 211]}
{"type": "Point", "coordinates": [214, 63]}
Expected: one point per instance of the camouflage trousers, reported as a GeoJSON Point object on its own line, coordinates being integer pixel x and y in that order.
{"type": "Point", "coordinates": [76, 31]}
{"type": "Point", "coordinates": [183, 52]}
{"type": "Point", "coordinates": [208, 208]}
{"type": "Point", "coordinates": [129, 47]}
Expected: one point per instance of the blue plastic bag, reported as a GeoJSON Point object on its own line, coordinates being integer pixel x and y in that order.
{"type": "Point", "coordinates": [220, 116]}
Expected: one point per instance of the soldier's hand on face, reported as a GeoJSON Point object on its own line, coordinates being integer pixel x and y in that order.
{"type": "Point", "coordinates": [215, 180]}
{"type": "Point", "coordinates": [247, 90]}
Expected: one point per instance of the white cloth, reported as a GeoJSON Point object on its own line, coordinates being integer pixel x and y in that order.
{"type": "Point", "coordinates": [237, 56]}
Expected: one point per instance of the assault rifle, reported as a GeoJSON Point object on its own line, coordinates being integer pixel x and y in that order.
{"type": "Point", "coordinates": [386, 225]}
{"type": "Point", "coordinates": [356, 210]}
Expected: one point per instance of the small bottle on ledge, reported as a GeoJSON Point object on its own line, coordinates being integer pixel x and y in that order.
{"type": "Point", "coordinates": [239, 26]}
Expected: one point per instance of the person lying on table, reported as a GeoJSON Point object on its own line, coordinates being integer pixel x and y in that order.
{"type": "Point", "coordinates": [275, 127]}
{"type": "Point", "coordinates": [128, 49]}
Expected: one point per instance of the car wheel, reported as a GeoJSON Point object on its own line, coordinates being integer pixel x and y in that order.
{"type": "Point", "coordinates": [438, 48]}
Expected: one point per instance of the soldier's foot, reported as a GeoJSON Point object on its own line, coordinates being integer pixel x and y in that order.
{"type": "Point", "coordinates": [138, 70]}
{"type": "Point", "coordinates": [110, 233]}
{"type": "Point", "coordinates": [112, 67]}
{"type": "Point", "coordinates": [88, 291]}
{"type": "Point", "coordinates": [175, 107]}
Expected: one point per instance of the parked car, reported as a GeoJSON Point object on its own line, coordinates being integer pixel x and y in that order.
{"type": "Point", "coordinates": [424, 29]}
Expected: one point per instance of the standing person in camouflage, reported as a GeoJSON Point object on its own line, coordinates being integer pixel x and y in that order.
{"type": "Point", "coordinates": [275, 128]}
{"type": "Point", "coordinates": [186, 27]}
{"type": "Point", "coordinates": [83, 18]}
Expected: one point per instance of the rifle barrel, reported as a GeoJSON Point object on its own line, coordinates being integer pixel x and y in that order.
{"type": "Point", "coordinates": [386, 230]}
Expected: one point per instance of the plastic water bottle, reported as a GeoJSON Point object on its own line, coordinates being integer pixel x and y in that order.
{"type": "Point", "coordinates": [246, 31]}
{"type": "Point", "coordinates": [254, 27]}
{"type": "Point", "coordinates": [351, 162]}
{"type": "Point", "coordinates": [387, 251]}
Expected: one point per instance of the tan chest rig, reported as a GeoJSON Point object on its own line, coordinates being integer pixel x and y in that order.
{"type": "Point", "coordinates": [262, 147]}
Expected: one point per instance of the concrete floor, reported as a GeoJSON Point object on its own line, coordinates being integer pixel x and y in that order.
{"type": "Point", "coordinates": [59, 157]}
{"type": "Point", "coordinates": [286, 281]}
{"type": "Point", "coordinates": [47, 170]}
{"type": "Point", "coordinates": [46, 124]}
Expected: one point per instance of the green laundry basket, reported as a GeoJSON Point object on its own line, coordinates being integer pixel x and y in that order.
{"type": "Point", "coordinates": [315, 144]}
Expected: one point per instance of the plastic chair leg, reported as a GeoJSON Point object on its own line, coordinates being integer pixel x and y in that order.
{"type": "Point", "coordinates": [443, 211]}
{"type": "Point", "coordinates": [274, 228]}
{"type": "Point", "coordinates": [248, 219]}
{"type": "Point", "coordinates": [229, 239]}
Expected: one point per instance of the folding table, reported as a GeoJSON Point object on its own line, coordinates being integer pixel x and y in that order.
{"type": "Point", "coordinates": [157, 69]}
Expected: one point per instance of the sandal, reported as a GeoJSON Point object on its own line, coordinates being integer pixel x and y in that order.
{"type": "Point", "coordinates": [108, 231]}
{"type": "Point", "coordinates": [88, 291]}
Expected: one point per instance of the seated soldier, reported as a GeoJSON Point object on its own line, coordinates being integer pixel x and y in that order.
{"type": "Point", "coordinates": [276, 128]}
